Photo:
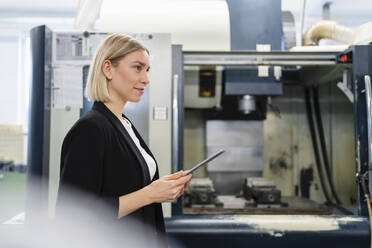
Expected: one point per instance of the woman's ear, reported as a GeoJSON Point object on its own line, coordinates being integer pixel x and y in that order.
{"type": "Point", "coordinates": [107, 69]}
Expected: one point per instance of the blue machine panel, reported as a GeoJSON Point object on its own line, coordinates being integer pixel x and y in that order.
{"type": "Point", "coordinates": [254, 22]}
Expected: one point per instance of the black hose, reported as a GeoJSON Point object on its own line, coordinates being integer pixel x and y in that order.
{"type": "Point", "coordinates": [314, 142]}
{"type": "Point", "coordinates": [363, 181]}
{"type": "Point", "coordinates": [318, 118]}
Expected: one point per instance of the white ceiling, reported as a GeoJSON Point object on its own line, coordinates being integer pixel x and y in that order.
{"type": "Point", "coordinates": [38, 4]}
{"type": "Point", "coordinates": [347, 11]}
{"type": "Point", "coordinates": [351, 13]}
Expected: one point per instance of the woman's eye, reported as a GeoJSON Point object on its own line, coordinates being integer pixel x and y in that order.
{"type": "Point", "coordinates": [138, 68]}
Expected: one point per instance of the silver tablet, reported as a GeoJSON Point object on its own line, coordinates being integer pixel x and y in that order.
{"type": "Point", "coordinates": [204, 162]}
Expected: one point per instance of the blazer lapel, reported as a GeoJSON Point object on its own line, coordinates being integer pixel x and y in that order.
{"type": "Point", "coordinates": [100, 107]}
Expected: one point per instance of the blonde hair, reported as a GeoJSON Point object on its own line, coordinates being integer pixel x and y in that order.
{"type": "Point", "coordinates": [113, 48]}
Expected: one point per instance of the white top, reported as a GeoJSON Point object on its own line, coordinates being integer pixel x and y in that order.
{"type": "Point", "coordinates": [149, 160]}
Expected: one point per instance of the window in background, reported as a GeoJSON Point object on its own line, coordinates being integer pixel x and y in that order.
{"type": "Point", "coordinates": [15, 85]}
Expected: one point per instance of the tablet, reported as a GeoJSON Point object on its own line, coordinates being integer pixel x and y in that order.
{"type": "Point", "coordinates": [204, 162]}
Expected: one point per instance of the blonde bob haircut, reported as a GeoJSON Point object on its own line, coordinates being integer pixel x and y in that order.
{"type": "Point", "coordinates": [113, 48]}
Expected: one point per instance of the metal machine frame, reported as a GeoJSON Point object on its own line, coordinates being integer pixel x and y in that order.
{"type": "Point", "coordinates": [268, 231]}
{"type": "Point", "coordinates": [229, 230]}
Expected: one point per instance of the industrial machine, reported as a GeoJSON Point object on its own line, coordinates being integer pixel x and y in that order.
{"type": "Point", "coordinates": [291, 135]}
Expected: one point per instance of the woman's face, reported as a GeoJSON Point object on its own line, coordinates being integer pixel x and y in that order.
{"type": "Point", "coordinates": [130, 77]}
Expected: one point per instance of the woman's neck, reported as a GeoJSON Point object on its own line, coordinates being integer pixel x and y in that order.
{"type": "Point", "coordinates": [116, 107]}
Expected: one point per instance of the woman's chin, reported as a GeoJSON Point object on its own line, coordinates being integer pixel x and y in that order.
{"type": "Point", "coordinates": [135, 99]}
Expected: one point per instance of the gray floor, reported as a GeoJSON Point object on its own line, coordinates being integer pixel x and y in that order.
{"type": "Point", "coordinates": [12, 194]}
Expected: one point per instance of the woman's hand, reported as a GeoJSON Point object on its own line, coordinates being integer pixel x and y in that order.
{"type": "Point", "coordinates": [165, 189]}
{"type": "Point", "coordinates": [168, 188]}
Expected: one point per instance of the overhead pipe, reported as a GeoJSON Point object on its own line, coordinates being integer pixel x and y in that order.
{"type": "Point", "coordinates": [363, 35]}
{"type": "Point", "coordinates": [87, 14]}
{"type": "Point", "coordinates": [326, 29]}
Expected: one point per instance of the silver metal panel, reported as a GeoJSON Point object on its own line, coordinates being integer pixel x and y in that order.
{"type": "Point", "coordinates": [243, 142]}
{"type": "Point", "coordinates": [236, 159]}
{"type": "Point", "coordinates": [160, 130]}
{"type": "Point", "coordinates": [260, 58]}
{"type": "Point", "coordinates": [234, 133]}
{"type": "Point", "coordinates": [60, 121]}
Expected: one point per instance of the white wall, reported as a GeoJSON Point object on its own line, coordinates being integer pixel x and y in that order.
{"type": "Point", "coordinates": [9, 79]}
{"type": "Point", "coordinates": [15, 65]}
{"type": "Point", "coordinates": [16, 20]}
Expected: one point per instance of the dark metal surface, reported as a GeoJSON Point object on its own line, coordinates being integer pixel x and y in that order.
{"type": "Point", "coordinates": [245, 80]}
{"type": "Point", "coordinates": [177, 121]}
{"type": "Point", "coordinates": [87, 105]}
{"type": "Point", "coordinates": [268, 231]}
{"type": "Point", "coordinates": [362, 65]}
{"type": "Point", "coordinates": [39, 123]}
{"type": "Point", "coordinates": [316, 75]}
{"type": "Point", "coordinates": [254, 88]}
{"type": "Point", "coordinates": [36, 110]}
{"type": "Point", "coordinates": [289, 206]}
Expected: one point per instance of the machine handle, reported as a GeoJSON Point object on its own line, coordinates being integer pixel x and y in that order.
{"type": "Point", "coordinates": [367, 83]}
{"type": "Point", "coordinates": [175, 121]}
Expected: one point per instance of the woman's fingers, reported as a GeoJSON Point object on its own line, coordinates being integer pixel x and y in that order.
{"type": "Point", "coordinates": [180, 192]}
{"type": "Point", "coordinates": [168, 188]}
{"type": "Point", "coordinates": [174, 176]}
{"type": "Point", "coordinates": [182, 180]}
{"type": "Point", "coordinates": [185, 186]}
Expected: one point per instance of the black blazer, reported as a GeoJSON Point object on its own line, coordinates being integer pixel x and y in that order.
{"type": "Point", "coordinates": [100, 159]}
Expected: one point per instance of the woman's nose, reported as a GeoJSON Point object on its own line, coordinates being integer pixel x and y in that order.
{"type": "Point", "coordinates": [145, 78]}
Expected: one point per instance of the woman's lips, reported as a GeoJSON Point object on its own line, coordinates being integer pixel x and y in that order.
{"type": "Point", "coordinates": [140, 89]}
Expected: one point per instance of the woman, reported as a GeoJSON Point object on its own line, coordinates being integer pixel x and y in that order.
{"type": "Point", "coordinates": [103, 155]}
